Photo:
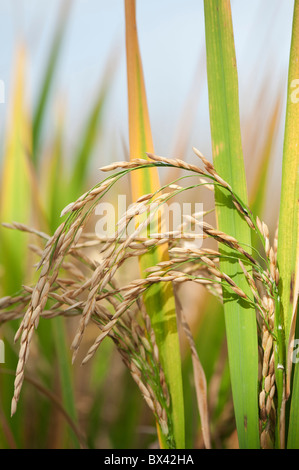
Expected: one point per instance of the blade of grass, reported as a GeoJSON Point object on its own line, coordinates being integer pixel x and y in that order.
{"type": "Point", "coordinates": [15, 195]}
{"type": "Point", "coordinates": [159, 300]}
{"type": "Point", "coordinates": [288, 215]}
{"type": "Point", "coordinates": [293, 430]}
{"type": "Point", "coordinates": [54, 177]}
{"type": "Point", "coordinates": [228, 159]}
{"type": "Point", "coordinates": [15, 204]}
{"type": "Point", "coordinates": [44, 93]}
{"type": "Point", "coordinates": [53, 174]}
{"type": "Point", "coordinates": [288, 252]}
{"type": "Point", "coordinates": [65, 373]}
{"type": "Point", "coordinates": [19, 177]}
{"type": "Point", "coordinates": [91, 133]}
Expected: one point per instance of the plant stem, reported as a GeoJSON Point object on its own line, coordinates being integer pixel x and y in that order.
{"type": "Point", "coordinates": [240, 319]}
{"type": "Point", "coordinates": [159, 299]}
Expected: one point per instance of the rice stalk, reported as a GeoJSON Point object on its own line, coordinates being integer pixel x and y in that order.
{"type": "Point", "coordinates": [159, 301]}
{"type": "Point", "coordinates": [228, 161]}
{"type": "Point", "coordinates": [83, 295]}
{"type": "Point", "coordinates": [16, 194]}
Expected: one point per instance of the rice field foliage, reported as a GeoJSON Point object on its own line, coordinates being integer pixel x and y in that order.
{"type": "Point", "coordinates": [159, 370]}
{"type": "Point", "coordinates": [229, 162]}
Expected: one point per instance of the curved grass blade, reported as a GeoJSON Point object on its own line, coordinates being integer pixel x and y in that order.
{"type": "Point", "coordinates": [15, 191]}
{"type": "Point", "coordinates": [15, 204]}
{"type": "Point", "coordinates": [65, 373]}
{"type": "Point", "coordinates": [44, 93]}
{"type": "Point", "coordinates": [53, 174]}
{"type": "Point", "coordinates": [228, 159]}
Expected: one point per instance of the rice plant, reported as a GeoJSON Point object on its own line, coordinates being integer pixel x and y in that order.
{"type": "Point", "coordinates": [253, 274]}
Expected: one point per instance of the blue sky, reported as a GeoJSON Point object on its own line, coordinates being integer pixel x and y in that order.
{"type": "Point", "coordinates": [171, 34]}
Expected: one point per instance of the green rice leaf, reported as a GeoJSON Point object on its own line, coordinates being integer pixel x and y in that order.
{"type": "Point", "coordinates": [228, 160]}
{"type": "Point", "coordinates": [288, 250]}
